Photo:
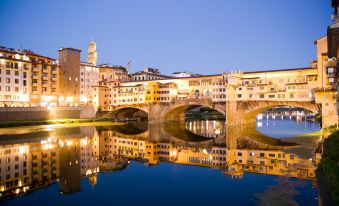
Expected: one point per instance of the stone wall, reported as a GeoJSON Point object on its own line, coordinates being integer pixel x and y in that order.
{"type": "Point", "coordinates": [42, 113]}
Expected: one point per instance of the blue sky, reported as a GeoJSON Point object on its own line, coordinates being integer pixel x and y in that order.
{"type": "Point", "coordinates": [201, 36]}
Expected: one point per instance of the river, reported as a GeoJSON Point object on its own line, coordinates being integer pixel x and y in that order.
{"type": "Point", "coordinates": [173, 163]}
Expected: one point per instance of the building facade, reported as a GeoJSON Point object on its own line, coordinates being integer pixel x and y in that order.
{"type": "Point", "coordinates": [148, 74]}
{"type": "Point", "coordinates": [89, 77]}
{"type": "Point", "coordinates": [27, 79]}
{"type": "Point", "coordinates": [69, 60]}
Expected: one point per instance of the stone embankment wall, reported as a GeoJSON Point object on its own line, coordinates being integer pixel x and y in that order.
{"type": "Point", "coordinates": [42, 113]}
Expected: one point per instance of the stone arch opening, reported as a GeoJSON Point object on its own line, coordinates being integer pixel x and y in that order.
{"type": "Point", "coordinates": [196, 93]}
{"type": "Point", "coordinates": [129, 113]}
{"type": "Point", "coordinates": [179, 113]}
{"type": "Point", "coordinates": [250, 112]}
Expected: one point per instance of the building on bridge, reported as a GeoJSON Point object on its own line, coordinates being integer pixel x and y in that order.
{"type": "Point", "coordinates": [283, 85]}
{"type": "Point", "coordinates": [148, 74]}
{"type": "Point", "coordinates": [184, 74]}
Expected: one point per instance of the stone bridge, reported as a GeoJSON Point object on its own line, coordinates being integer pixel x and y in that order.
{"type": "Point", "coordinates": [236, 112]}
{"type": "Point", "coordinates": [243, 112]}
{"type": "Point", "coordinates": [164, 111]}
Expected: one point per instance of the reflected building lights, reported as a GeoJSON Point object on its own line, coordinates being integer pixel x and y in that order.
{"type": "Point", "coordinates": [70, 158]}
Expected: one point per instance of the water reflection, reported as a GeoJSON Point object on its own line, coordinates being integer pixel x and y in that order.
{"type": "Point", "coordinates": [33, 161]}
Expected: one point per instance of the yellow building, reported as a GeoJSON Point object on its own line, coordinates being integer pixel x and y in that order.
{"type": "Point", "coordinates": [152, 94]}
{"type": "Point", "coordinates": [151, 153]}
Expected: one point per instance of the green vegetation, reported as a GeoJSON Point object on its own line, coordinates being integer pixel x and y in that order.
{"type": "Point", "coordinates": [328, 170]}
{"type": "Point", "coordinates": [318, 119]}
{"type": "Point", "coordinates": [19, 123]}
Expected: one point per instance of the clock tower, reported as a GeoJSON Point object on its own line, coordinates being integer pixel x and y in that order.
{"type": "Point", "coordinates": [92, 55]}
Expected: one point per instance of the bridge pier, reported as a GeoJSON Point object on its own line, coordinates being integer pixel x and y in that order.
{"type": "Point", "coordinates": [235, 115]}
{"type": "Point", "coordinates": [329, 107]}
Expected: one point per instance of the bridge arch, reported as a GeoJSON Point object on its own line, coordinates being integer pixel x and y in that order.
{"type": "Point", "coordinates": [248, 110]}
{"type": "Point", "coordinates": [130, 111]}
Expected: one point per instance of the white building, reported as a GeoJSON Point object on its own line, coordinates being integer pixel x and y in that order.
{"type": "Point", "coordinates": [89, 77]}
{"type": "Point", "coordinates": [184, 74]}
{"type": "Point", "coordinates": [148, 74]}
{"type": "Point", "coordinates": [15, 78]}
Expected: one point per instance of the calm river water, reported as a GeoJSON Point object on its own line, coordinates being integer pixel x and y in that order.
{"type": "Point", "coordinates": [173, 163]}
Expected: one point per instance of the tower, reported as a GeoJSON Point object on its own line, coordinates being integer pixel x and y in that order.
{"type": "Point", "coordinates": [333, 32]}
{"type": "Point", "coordinates": [92, 54]}
{"type": "Point", "coordinates": [69, 82]}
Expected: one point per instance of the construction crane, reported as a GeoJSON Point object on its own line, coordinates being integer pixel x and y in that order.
{"type": "Point", "coordinates": [128, 66]}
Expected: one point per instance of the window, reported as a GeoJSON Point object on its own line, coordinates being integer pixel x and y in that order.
{"type": "Point", "coordinates": [8, 80]}
{"type": "Point", "coordinates": [16, 89]}
{"type": "Point", "coordinates": [8, 89]}
{"type": "Point", "coordinates": [16, 81]}
{"type": "Point", "coordinates": [8, 72]}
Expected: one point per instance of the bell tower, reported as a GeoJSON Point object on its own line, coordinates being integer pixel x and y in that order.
{"type": "Point", "coordinates": [92, 55]}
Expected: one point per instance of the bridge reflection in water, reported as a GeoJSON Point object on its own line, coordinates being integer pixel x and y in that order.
{"type": "Point", "coordinates": [32, 161]}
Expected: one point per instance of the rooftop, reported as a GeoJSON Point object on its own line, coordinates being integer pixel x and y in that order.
{"type": "Point", "coordinates": [23, 52]}
{"type": "Point", "coordinates": [69, 48]}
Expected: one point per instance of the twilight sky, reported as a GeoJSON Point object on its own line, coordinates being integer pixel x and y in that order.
{"type": "Point", "coordinates": [201, 36]}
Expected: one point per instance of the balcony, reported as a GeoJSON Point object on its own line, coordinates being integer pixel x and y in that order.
{"type": "Point", "coordinates": [44, 78]}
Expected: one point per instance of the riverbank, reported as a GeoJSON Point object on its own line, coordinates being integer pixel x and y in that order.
{"type": "Point", "coordinates": [19, 123]}
{"type": "Point", "coordinates": [328, 171]}
{"type": "Point", "coordinates": [22, 127]}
